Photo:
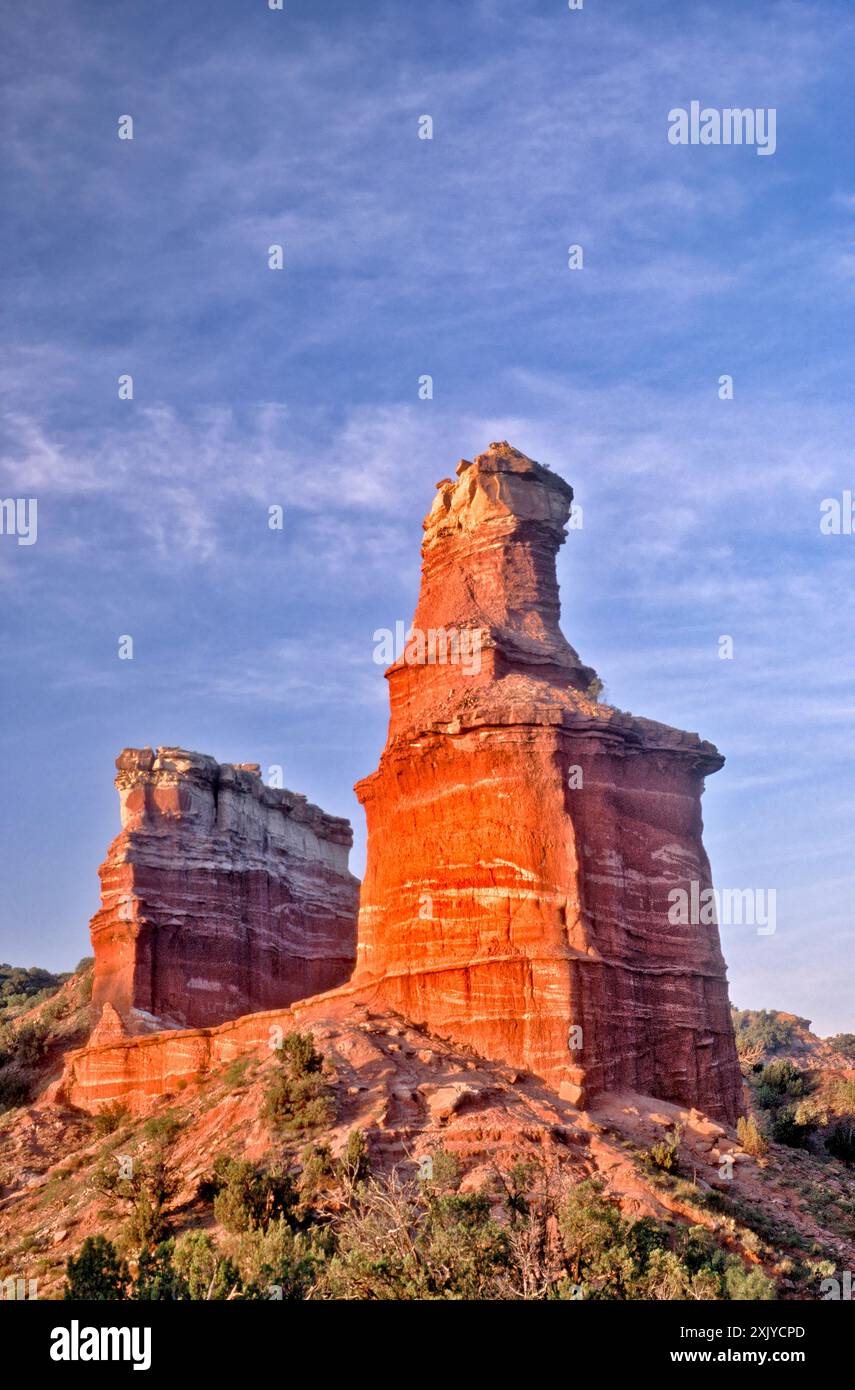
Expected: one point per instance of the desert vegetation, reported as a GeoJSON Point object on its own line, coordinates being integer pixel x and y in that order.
{"type": "Point", "coordinates": [22, 988]}
{"type": "Point", "coordinates": [332, 1230]}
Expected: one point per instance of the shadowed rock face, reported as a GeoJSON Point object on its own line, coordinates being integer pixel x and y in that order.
{"type": "Point", "coordinates": [523, 837]}
{"type": "Point", "coordinates": [220, 896]}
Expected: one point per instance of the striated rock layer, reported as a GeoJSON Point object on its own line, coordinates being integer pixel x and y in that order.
{"type": "Point", "coordinates": [137, 1072]}
{"type": "Point", "coordinates": [220, 896]}
{"type": "Point", "coordinates": [523, 838]}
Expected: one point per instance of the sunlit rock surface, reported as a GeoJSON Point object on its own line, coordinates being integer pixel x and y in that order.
{"type": "Point", "coordinates": [220, 896]}
{"type": "Point", "coordinates": [523, 837]}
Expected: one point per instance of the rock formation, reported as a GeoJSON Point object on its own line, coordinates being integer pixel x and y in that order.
{"type": "Point", "coordinates": [220, 896]}
{"type": "Point", "coordinates": [524, 838]}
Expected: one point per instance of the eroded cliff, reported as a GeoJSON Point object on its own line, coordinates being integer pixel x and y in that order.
{"type": "Point", "coordinates": [221, 896]}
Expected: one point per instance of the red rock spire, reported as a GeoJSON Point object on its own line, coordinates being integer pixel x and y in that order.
{"type": "Point", "coordinates": [523, 838]}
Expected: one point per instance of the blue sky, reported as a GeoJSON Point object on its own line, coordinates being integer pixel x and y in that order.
{"type": "Point", "coordinates": [402, 257]}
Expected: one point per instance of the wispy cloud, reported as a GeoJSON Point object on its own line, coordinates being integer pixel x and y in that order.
{"type": "Point", "coordinates": [446, 257]}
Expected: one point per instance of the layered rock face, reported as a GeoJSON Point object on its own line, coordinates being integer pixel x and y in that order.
{"type": "Point", "coordinates": [137, 1072]}
{"type": "Point", "coordinates": [220, 896]}
{"type": "Point", "coordinates": [524, 838]}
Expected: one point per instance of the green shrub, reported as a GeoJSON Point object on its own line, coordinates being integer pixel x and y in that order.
{"type": "Point", "coordinates": [665, 1153]}
{"type": "Point", "coordinates": [591, 1225]}
{"type": "Point", "coordinates": [316, 1175]}
{"type": "Point", "coordinates": [148, 1223]}
{"type": "Point", "coordinates": [163, 1128]}
{"type": "Point", "coordinates": [53, 1012]}
{"type": "Point", "coordinates": [207, 1274]}
{"type": "Point", "coordinates": [444, 1172]}
{"type": "Point", "coordinates": [354, 1164]}
{"type": "Point", "coordinates": [302, 1055]}
{"type": "Point", "coordinates": [145, 1194]}
{"type": "Point", "coordinates": [157, 1279]}
{"type": "Point", "coordinates": [275, 1263]}
{"type": "Point", "coordinates": [781, 1089]}
{"type": "Point", "coordinates": [746, 1285]}
{"type": "Point", "coordinates": [787, 1128]}
{"type": "Point", "coordinates": [779, 1082]}
{"type": "Point", "coordinates": [22, 1050]}
{"type": "Point", "coordinates": [25, 1045]}
{"type": "Point", "coordinates": [109, 1118]}
{"type": "Point", "coordinates": [297, 1096]}
{"type": "Point", "coordinates": [97, 1274]}
{"type": "Point", "coordinates": [750, 1136]}
{"type": "Point", "coordinates": [247, 1197]}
